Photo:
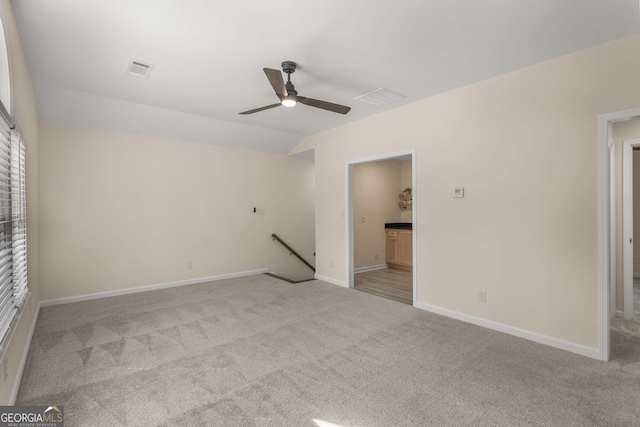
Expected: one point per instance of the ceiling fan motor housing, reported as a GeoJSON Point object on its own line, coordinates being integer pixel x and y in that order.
{"type": "Point", "coordinates": [289, 67]}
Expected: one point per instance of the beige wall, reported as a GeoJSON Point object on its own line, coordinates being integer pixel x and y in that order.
{"type": "Point", "coordinates": [121, 211]}
{"type": "Point", "coordinates": [524, 147]}
{"type": "Point", "coordinates": [24, 112]}
{"type": "Point", "coordinates": [375, 198]}
{"type": "Point", "coordinates": [621, 132]}
{"type": "Point", "coordinates": [405, 182]}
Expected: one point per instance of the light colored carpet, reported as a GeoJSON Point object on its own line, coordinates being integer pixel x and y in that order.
{"type": "Point", "coordinates": [257, 351]}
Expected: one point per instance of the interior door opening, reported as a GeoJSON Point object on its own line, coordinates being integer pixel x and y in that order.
{"type": "Point", "coordinates": [619, 137]}
{"type": "Point", "coordinates": [381, 226]}
{"type": "Point", "coordinates": [631, 231]}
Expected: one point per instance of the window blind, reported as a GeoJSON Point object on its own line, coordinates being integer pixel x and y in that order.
{"type": "Point", "coordinates": [13, 227]}
{"type": "Point", "coordinates": [18, 219]}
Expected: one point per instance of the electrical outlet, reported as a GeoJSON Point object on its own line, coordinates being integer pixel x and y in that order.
{"type": "Point", "coordinates": [5, 366]}
{"type": "Point", "coordinates": [331, 264]}
{"type": "Point", "coordinates": [482, 296]}
{"type": "Point", "coordinates": [376, 257]}
{"type": "Point", "coordinates": [362, 220]}
{"type": "Point", "coordinates": [189, 265]}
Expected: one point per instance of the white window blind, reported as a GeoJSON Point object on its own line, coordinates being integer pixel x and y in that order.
{"type": "Point", "coordinates": [13, 226]}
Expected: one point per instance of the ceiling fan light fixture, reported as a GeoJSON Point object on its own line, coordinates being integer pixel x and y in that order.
{"type": "Point", "coordinates": [288, 95]}
{"type": "Point", "coordinates": [289, 102]}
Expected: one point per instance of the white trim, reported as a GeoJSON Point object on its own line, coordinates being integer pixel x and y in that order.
{"type": "Point", "coordinates": [370, 268]}
{"type": "Point", "coordinates": [627, 225]}
{"type": "Point", "coordinates": [619, 313]}
{"type": "Point", "coordinates": [349, 228]}
{"type": "Point", "coordinates": [9, 107]}
{"type": "Point", "coordinates": [583, 350]}
{"type": "Point", "coordinates": [414, 223]}
{"type": "Point", "coordinates": [23, 360]}
{"type": "Point", "coordinates": [604, 236]}
{"type": "Point", "coordinates": [330, 280]}
{"type": "Point", "coordinates": [147, 288]}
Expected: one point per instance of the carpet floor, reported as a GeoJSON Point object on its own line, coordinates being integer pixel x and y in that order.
{"type": "Point", "coordinates": [258, 351]}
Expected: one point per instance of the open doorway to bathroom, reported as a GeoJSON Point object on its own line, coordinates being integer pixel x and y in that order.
{"type": "Point", "coordinates": [630, 224]}
{"type": "Point", "coordinates": [381, 226]}
{"type": "Point", "coordinates": [625, 326]}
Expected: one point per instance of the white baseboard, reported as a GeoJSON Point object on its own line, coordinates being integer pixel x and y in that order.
{"type": "Point", "coordinates": [591, 352]}
{"type": "Point", "coordinates": [370, 268]}
{"type": "Point", "coordinates": [330, 280]}
{"type": "Point", "coordinates": [23, 360]}
{"type": "Point", "coordinates": [147, 288]}
{"type": "Point", "coordinates": [619, 313]}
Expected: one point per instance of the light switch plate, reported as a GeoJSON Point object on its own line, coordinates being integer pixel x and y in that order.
{"type": "Point", "coordinates": [458, 192]}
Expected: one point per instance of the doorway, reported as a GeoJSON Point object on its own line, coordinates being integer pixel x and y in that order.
{"type": "Point", "coordinates": [608, 238]}
{"type": "Point", "coordinates": [625, 324]}
{"type": "Point", "coordinates": [381, 227]}
{"type": "Point", "coordinates": [631, 233]}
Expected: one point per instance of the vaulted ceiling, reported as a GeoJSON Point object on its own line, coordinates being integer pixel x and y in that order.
{"type": "Point", "coordinates": [208, 57]}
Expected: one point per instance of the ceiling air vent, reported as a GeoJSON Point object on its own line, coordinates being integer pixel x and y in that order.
{"type": "Point", "coordinates": [380, 97]}
{"type": "Point", "coordinates": [139, 69]}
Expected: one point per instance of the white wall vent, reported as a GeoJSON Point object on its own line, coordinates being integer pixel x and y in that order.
{"type": "Point", "coordinates": [139, 69]}
{"type": "Point", "coordinates": [380, 97]}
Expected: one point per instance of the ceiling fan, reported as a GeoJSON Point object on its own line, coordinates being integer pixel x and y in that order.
{"type": "Point", "coordinates": [288, 94]}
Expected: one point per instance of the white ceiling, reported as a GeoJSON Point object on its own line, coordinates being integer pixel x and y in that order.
{"type": "Point", "coordinates": [208, 57]}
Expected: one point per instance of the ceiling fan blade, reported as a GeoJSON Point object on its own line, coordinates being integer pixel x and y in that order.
{"type": "Point", "coordinates": [329, 106]}
{"type": "Point", "coordinates": [277, 82]}
{"type": "Point", "coordinates": [255, 110]}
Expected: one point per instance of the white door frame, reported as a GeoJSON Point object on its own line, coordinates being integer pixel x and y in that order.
{"type": "Point", "coordinates": [349, 212]}
{"type": "Point", "coordinates": [627, 225]}
{"type": "Point", "coordinates": [606, 225]}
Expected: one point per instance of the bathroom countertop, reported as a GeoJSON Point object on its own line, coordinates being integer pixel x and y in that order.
{"type": "Point", "coordinates": [399, 225]}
